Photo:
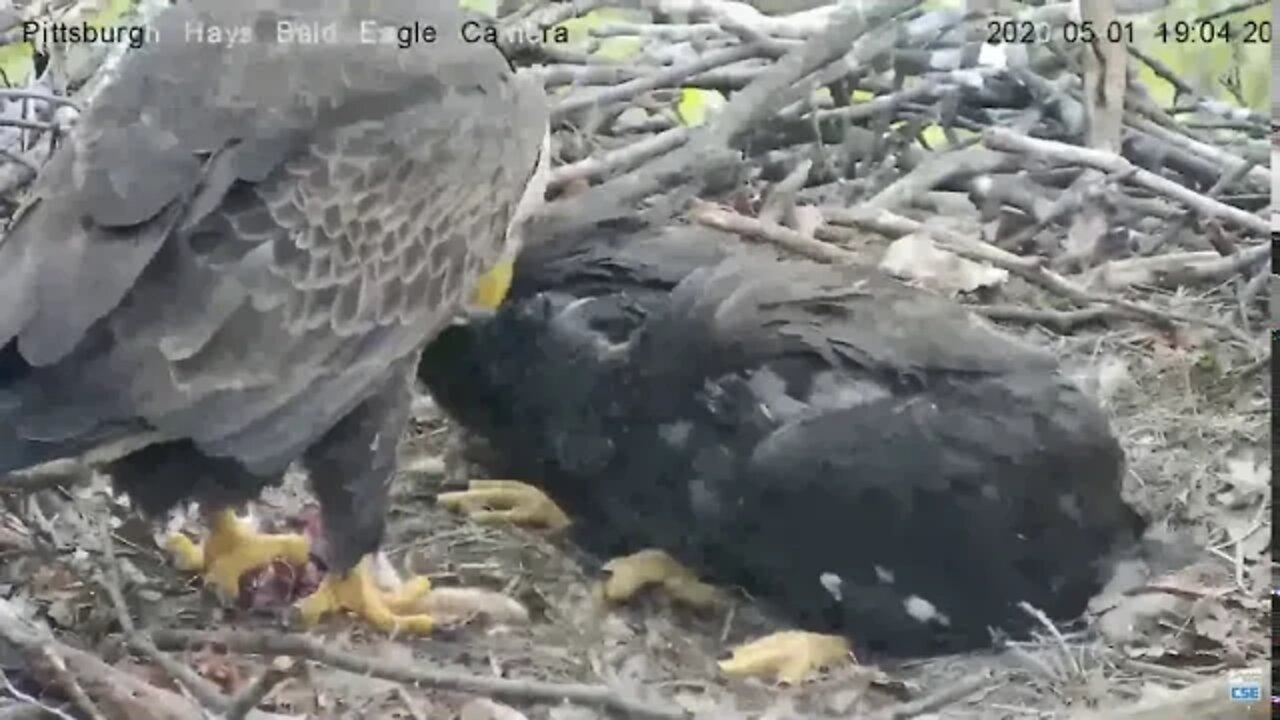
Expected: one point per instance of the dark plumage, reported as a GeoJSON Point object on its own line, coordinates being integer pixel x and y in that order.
{"type": "Point", "coordinates": [241, 249]}
{"type": "Point", "coordinates": [769, 423]}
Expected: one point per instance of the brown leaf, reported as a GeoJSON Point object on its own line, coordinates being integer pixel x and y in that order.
{"type": "Point", "coordinates": [218, 669]}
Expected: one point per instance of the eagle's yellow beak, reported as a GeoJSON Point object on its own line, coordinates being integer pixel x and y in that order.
{"type": "Point", "coordinates": [492, 287]}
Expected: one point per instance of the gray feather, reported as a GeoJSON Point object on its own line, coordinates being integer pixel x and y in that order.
{"type": "Point", "coordinates": [235, 244]}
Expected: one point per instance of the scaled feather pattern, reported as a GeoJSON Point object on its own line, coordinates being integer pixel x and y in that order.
{"type": "Point", "coordinates": [242, 250]}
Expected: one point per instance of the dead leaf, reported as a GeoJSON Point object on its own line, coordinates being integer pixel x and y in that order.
{"type": "Point", "coordinates": [220, 670]}
{"type": "Point", "coordinates": [918, 259]}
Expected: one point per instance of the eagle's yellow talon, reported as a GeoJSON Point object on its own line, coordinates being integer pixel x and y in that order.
{"type": "Point", "coordinates": [505, 501]}
{"type": "Point", "coordinates": [357, 593]}
{"type": "Point", "coordinates": [231, 549]}
{"type": "Point", "coordinates": [789, 656]}
{"type": "Point", "coordinates": [630, 574]}
{"type": "Point", "coordinates": [187, 556]}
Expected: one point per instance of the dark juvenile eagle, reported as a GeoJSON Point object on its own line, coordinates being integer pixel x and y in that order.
{"type": "Point", "coordinates": [873, 461]}
{"type": "Point", "coordinates": [238, 254]}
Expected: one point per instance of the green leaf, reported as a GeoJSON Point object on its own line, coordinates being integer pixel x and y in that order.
{"type": "Point", "coordinates": [17, 62]}
{"type": "Point", "coordinates": [1202, 65]}
{"type": "Point", "coordinates": [488, 8]}
{"type": "Point", "coordinates": [696, 105]}
{"type": "Point", "coordinates": [112, 14]}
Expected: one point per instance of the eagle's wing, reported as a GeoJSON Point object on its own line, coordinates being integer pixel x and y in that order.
{"type": "Point", "coordinates": [851, 315]}
{"type": "Point", "coordinates": [239, 239]}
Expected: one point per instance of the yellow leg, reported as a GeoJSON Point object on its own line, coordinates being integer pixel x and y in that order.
{"type": "Point", "coordinates": [505, 501]}
{"type": "Point", "coordinates": [357, 593]}
{"type": "Point", "coordinates": [233, 548]}
{"type": "Point", "coordinates": [630, 574]}
{"type": "Point", "coordinates": [788, 656]}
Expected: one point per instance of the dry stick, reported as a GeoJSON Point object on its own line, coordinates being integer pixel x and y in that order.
{"type": "Point", "coordinates": [669, 76]}
{"type": "Point", "coordinates": [1060, 642]}
{"type": "Point", "coordinates": [30, 701]}
{"type": "Point", "coordinates": [781, 201]}
{"type": "Point", "coordinates": [1002, 139]}
{"type": "Point", "coordinates": [1061, 321]}
{"type": "Point", "coordinates": [709, 145]}
{"type": "Point", "coordinates": [958, 690]}
{"type": "Point", "coordinates": [577, 75]}
{"type": "Point", "coordinates": [1030, 269]}
{"type": "Point", "coordinates": [714, 216]}
{"type": "Point", "coordinates": [727, 12]}
{"type": "Point", "coordinates": [849, 25]}
{"type": "Point", "coordinates": [621, 159]}
{"type": "Point", "coordinates": [310, 648]}
{"type": "Point", "coordinates": [20, 94]}
{"type": "Point", "coordinates": [121, 695]}
{"type": "Point", "coordinates": [936, 170]}
{"type": "Point", "coordinates": [202, 690]}
{"type": "Point", "coordinates": [1176, 269]}
{"type": "Point", "coordinates": [1258, 176]}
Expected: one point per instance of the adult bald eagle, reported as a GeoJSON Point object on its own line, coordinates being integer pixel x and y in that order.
{"type": "Point", "coordinates": [236, 257]}
{"type": "Point", "coordinates": [873, 461]}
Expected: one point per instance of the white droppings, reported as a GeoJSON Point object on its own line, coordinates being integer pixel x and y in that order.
{"type": "Point", "coordinates": [884, 575]}
{"type": "Point", "coordinates": [832, 582]}
{"type": "Point", "coordinates": [924, 611]}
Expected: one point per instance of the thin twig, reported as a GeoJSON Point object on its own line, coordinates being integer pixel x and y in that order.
{"type": "Point", "coordinates": [710, 147]}
{"type": "Point", "coordinates": [619, 160]}
{"type": "Point", "coordinates": [663, 78]}
{"type": "Point", "coordinates": [202, 690]}
{"type": "Point", "coordinates": [1030, 269]}
{"type": "Point", "coordinates": [246, 700]}
{"type": "Point", "coordinates": [310, 648]}
{"type": "Point", "coordinates": [1060, 642]}
{"type": "Point", "coordinates": [29, 700]}
{"type": "Point", "coordinates": [720, 218]}
{"type": "Point", "coordinates": [1004, 139]}
{"type": "Point", "coordinates": [934, 701]}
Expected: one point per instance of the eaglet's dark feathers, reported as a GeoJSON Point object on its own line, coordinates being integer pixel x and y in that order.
{"type": "Point", "coordinates": [773, 422]}
{"type": "Point", "coordinates": [238, 247]}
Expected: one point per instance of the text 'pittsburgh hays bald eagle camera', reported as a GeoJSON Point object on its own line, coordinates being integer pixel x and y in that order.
{"type": "Point", "coordinates": [234, 259]}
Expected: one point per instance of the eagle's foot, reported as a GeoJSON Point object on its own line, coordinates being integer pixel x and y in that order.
{"type": "Point", "coordinates": [630, 574]}
{"type": "Point", "coordinates": [357, 592]}
{"type": "Point", "coordinates": [233, 548]}
{"type": "Point", "coordinates": [789, 656]}
{"type": "Point", "coordinates": [505, 501]}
